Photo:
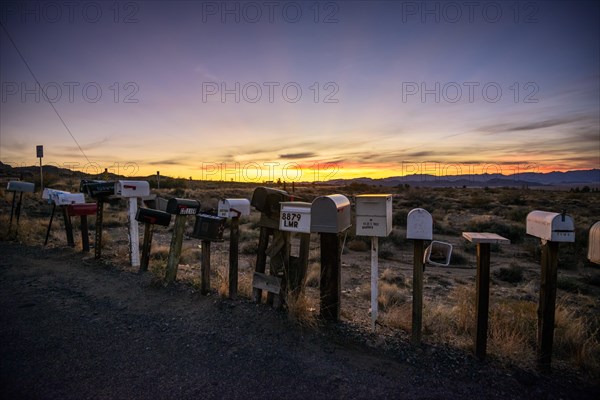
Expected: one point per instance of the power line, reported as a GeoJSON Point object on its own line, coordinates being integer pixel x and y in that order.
{"type": "Point", "coordinates": [43, 92]}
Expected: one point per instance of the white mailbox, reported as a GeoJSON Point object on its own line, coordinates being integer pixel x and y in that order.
{"type": "Point", "coordinates": [20, 186]}
{"type": "Point", "coordinates": [419, 224]}
{"type": "Point", "coordinates": [231, 208]}
{"type": "Point", "coordinates": [373, 215]}
{"type": "Point", "coordinates": [551, 226]}
{"type": "Point", "coordinates": [330, 214]}
{"type": "Point", "coordinates": [132, 188]}
{"type": "Point", "coordinates": [594, 243]}
{"type": "Point", "coordinates": [52, 194]}
{"type": "Point", "coordinates": [63, 199]}
{"type": "Point", "coordinates": [295, 216]}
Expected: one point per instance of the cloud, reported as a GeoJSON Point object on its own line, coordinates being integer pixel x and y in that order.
{"type": "Point", "coordinates": [530, 126]}
{"type": "Point", "coordinates": [166, 162]}
{"type": "Point", "coordinates": [293, 156]}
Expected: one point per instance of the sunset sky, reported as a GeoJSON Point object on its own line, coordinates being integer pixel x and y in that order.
{"type": "Point", "coordinates": [301, 90]}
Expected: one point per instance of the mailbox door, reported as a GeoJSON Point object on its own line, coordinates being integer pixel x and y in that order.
{"type": "Point", "coordinates": [295, 217]}
{"type": "Point", "coordinates": [374, 205]}
{"type": "Point", "coordinates": [150, 216]}
{"type": "Point", "coordinates": [209, 227]}
{"type": "Point", "coordinates": [419, 224]}
{"type": "Point", "coordinates": [226, 206]}
{"type": "Point", "coordinates": [69, 198]}
{"type": "Point", "coordinates": [330, 214]}
{"type": "Point", "coordinates": [373, 226]}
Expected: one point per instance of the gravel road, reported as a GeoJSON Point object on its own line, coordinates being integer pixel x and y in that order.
{"type": "Point", "coordinates": [72, 327]}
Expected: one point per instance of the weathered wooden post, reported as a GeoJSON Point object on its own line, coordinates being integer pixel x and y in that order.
{"type": "Point", "coordinates": [181, 208]}
{"type": "Point", "coordinates": [295, 219]}
{"type": "Point", "coordinates": [101, 191]}
{"type": "Point", "coordinates": [149, 218]}
{"type": "Point", "coordinates": [234, 209]}
{"type": "Point", "coordinates": [483, 241]}
{"type": "Point", "coordinates": [330, 216]}
{"type": "Point", "coordinates": [83, 210]}
{"type": "Point", "coordinates": [21, 187]}
{"type": "Point", "coordinates": [51, 195]}
{"type": "Point", "coordinates": [419, 227]}
{"type": "Point", "coordinates": [551, 228]}
{"type": "Point", "coordinates": [374, 219]}
{"type": "Point", "coordinates": [208, 228]}
{"type": "Point", "coordinates": [63, 200]}
{"type": "Point", "coordinates": [132, 191]}
{"type": "Point", "coordinates": [266, 201]}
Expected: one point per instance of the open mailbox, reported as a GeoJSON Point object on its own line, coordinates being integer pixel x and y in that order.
{"type": "Point", "coordinates": [209, 227]}
{"type": "Point", "coordinates": [419, 224]}
{"type": "Point", "coordinates": [179, 206]}
{"type": "Point", "coordinates": [438, 253]}
{"type": "Point", "coordinates": [20, 186]}
{"type": "Point", "coordinates": [150, 216]}
{"type": "Point", "coordinates": [132, 188]}
{"type": "Point", "coordinates": [295, 216]}
{"type": "Point", "coordinates": [233, 208]}
{"type": "Point", "coordinates": [330, 214]}
{"type": "Point", "coordinates": [551, 226]}
{"type": "Point", "coordinates": [373, 215]}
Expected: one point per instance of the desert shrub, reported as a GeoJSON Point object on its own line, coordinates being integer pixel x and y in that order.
{"type": "Point", "coordinates": [399, 218]}
{"type": "Point", "coordinates": [389, 295]}
{"type": "Point", "coordinates": [386, 251]}
{"type": "Point", "coordinates": [511, 274]}
{"type": "Point", "coordinates": [313, 276]}
{"type": "Point", "coordinates": [458, 258]}
{"type": "Point", "coordinates": [570, 284]}
{"type": "Point", "coordinates": [358, 245]}
{"type": "Point", "coordinates": [517, 214]}
{"type": "Point", "coordinates": [250, 248]}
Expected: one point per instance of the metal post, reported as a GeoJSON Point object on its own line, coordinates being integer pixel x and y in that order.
{"type": "Point", "coordinates": [374, 280]}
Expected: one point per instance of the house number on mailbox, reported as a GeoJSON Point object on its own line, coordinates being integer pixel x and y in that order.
{"type": "Point", "coordinates": [290, 219]}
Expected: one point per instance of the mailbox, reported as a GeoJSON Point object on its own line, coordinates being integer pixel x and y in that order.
{"type": "Point", "coordinates": [419, 224]}
{"type": "Point", "coordinates": [63, 199]}
{"type": "Point", "coordinates": [295, 216]}
{"type": "Point", "coordinates": [150, 216]}
{"type": "Point", "coordinates": [132, 188]}
{"type": "Point", "coordinates": [209, 227]}
{"type": "Point", "coordinates": [551, 226]}
{"type": "Point", "coordinates": [330, 214]}
{"type": "Point", "coordinates": [97, 189]}
{"type": "Point", "coordinates": [82, 209]}
{"type": "Point", "coordinates": [20, 186]}
{"type": "Point", "coordinates": [438, 253]}
{"type": "Point", "coordinates": [266, 200]}
{"type": "Point", "coordinates": [594, 243]}
{"type": "Point", "coordinates": [52, 194]}
{"type": "Point", "coordinates": [179, 206]}
{"type": "Point", "coordinates": [227, 208]}
{"type": "Point", "coordinates": [373, 215]}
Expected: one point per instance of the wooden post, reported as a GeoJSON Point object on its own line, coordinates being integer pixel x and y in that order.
{"type": "Point", "coordinates": [98, 240]}
{"type": "Point", "coordinates": [205, 268]}
{"type": "Point", "coordinates": [85, 239]}
{"type": "Point", "coordinates": [12, 211]}
{"type": "Point", "coordinates": [374, 280]}
{"type": "Point", "coordinates": [417, 306]}
{"type": "Point", "coordinates": [134, 234]}
{"type": "Point", "coordinates": [68, 226]}
{"type": "Point", "coordinates": [146, 246]}
{"type": "Point", "coordinates": [261, 259]}
{"type": "Point", "coordinates": [483, 299]}
{"type": "Point", "coordinates": [547, 304]}
{"type": "Point", "coordinates": [19, 209]}
{"type": "Point", "coordinates": [50, 224]}
{"type": "Point", "coordinates": [175, 250]}
{"type": "Point", "coordinates": [330, 276]}
{"type": "Point", "coordinates": [234, 239]}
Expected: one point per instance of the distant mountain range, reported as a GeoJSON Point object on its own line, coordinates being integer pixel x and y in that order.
{"type": "Point", "coordinates": [529, 179]}
{"type": "Point", "coordinates": [567, 179]}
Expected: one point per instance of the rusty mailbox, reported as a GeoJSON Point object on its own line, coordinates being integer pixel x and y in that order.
{"type": "Point", "coordinates": [209, 227]}
{"type": "Point", "coordinates": [330, 214]}
{"type": "Point", "coordinates": [373, 215]}
{"type": "Point", "coordinates": [551, 226]}
{"type": "Point", "coordinates": [295, 216]}
{"type": "Point", "coordinates": [132, 188]}
{"type": "Point", "coordinates": [178, 206]}
{"type": "Point", "coordinates": [233, 208]}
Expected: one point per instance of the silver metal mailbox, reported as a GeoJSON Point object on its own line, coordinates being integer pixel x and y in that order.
{"type": "Point", "coordinates": [330, 214]}
{"type": "Point", "coordinates": [20, 186]}
{"type": "Point", "coordinates": [132, 188]}
{"type": "Point", "coordinates": [295, 216]}
{"type": "Point", "coordinates": [52, 194]}
{"type": "Point", "coordinates": [373, 215]}
{"type": "Point", "coordinates": [227, 208]}
{"type": "Point", "coordinates": [551, 226]}
{"type": "Point", "coordinates": [63, 199]}
{"type": "Point", "coordinates": [594, 243]}
{"type": "Point", "coordinates": [419, 224]}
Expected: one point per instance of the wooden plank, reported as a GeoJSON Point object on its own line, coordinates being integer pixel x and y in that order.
{"type": "Point", "coordinates": [417, 306]}
{"type": "Point", "coordinates": [50, 223]}
{"type": "Point", "coordinates": [547, 304]}
{"type": "Point", "coordinates": [483, 299]}
{"type": "Point", "coordinates": [331, 276]}
{"type": "Point", "coordinates": [205, 268]}
{"type": "Point", "coordinates": [146, 246]}
{"type": "Point", "coordinates": [485, 237]}
{"type": "Point", "coordinates": [261, 259]}
{"type": "Point", "coordinates": [68, 226]}
{"type": "Point", "coordinates": [175, 249]}
{"type": "Point", "coordinates": [270, 283]}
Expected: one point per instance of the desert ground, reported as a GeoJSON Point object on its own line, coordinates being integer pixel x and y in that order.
{"type": "Point", "coordinates": [449, 291]}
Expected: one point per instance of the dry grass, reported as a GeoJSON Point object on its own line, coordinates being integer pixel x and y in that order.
{"type": "Point", "coordinates": [302, 310]}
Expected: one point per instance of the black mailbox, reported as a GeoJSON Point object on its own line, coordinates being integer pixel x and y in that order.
{"type": "Point", "coordinates": [179, 206]}
{"type": "Point", "coordinates": [150, 216]}
{"type": "Point", "coordinates": [209, 227]}
{"type": "Point", "coordinates": [266, 200]}
{"type": "Point", "coordinates": [97, 189]}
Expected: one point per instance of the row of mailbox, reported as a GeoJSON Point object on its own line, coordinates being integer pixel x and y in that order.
{"type": "Point", "coordinates": [326, 214]}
